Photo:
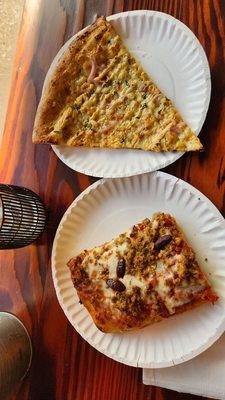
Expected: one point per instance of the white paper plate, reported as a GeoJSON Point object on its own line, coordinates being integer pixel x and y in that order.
{"type": "Point", "coordinates": [172, 55]}
{"type": "Point", "coordinates": [110, 207]}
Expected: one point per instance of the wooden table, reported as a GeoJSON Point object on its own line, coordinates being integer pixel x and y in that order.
{"type": "Point", "coordinates": [64, 365]}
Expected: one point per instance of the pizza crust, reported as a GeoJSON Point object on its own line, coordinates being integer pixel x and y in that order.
{"type": "Point", "coordinates": [49, 108]}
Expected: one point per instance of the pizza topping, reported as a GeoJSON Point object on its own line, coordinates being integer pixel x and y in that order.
{"type": "Point", "coordinates": [162, 241]}
{"type": "Point", "coordinates": [157, 98]}
{"type": "Point", "coordinates": [108, 128]}
{"type": "Point", "coordinates": [163, 309]}
{"type": "Point", "coordinates": [93, 69]}
{"type": "Point", "coordinates": [121, 267]}
{"type": "Point", "coordinates": [116, 285]}
{"type": "Point", "coordinates": [208, 295]}
{"type": "Point", "coordinates": [144, 88]}
{"type": "Point", "coordinates": [131, 281]}
{"type": "Point", "coordinates": [132, 303]}
{"type": "Point", "coordinates": [178, 241]}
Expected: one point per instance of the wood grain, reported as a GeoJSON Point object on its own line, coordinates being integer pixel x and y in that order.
{"type": "Point", "coordinates": [64, 365]}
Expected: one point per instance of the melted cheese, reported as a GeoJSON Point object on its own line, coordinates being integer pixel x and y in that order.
{"type": "Point", "coordinates": [163, 273]}
{"type": "Point", "coordinates": [163, 291]}
{"type": "Point", "coordinates": [112, 263]}
{"type": "Point", "coordinates": [155, 224]}
{"type": "Point", "coordinates": [91, 265]}
{"type": "Point", "coordinates": [123, 246]}
{"type": "Point", "coordinates": [131, 281]}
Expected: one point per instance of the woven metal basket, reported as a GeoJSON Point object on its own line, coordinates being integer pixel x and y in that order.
{"type": "Point", "coordinates": [22, 216]}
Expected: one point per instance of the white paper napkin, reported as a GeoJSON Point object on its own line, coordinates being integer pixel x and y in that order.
{"type": "Point", "coordinates": [204, 375]}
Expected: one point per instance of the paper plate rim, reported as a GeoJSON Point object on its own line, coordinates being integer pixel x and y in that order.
{"type": "Point", "coordinates": [212, 339]}
{"type": "Point", "coordinates": [161, 163]}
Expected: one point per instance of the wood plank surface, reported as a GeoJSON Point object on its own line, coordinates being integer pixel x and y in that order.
{"type": "Point", "coordinates": [64, 365]}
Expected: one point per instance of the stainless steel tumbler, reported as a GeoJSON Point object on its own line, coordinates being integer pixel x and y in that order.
{"type": "Point", "coordinates": [15, 353]}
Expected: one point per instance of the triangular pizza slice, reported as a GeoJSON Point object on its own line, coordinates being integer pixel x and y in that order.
{"type": "Point", "coordinates": [99, 96]}
{"type": "Point", "coordinates": [143, 276]}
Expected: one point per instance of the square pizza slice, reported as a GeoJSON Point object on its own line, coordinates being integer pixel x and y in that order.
{"type": "Point", "coordinates": [142, 276]}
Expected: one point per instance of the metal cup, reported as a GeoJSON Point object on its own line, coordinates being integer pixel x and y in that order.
{"type": "Point", "coordinates": [15, 353]}
{"type": "Point", "coordinates": [22, 216]}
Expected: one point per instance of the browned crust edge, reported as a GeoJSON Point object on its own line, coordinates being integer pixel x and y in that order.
{"type": "Point", "coordinates": [57, 80]}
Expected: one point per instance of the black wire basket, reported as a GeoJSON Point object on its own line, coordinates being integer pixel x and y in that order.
{"type": "Point", "coordinates": [22, 216]}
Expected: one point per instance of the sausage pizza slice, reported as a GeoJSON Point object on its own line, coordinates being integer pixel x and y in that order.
{"type": "Point", "coordinates": [141, 277]}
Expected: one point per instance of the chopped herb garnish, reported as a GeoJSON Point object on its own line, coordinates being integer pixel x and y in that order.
{"type": "Point", "coordinates": [108, 83]}
{"type": "Point", "coordinates": [87, 125]}
{"type": "Point", "coordinates": [116, 82]}
{"type": "Point", "coordinates": [97, 37]}
{"type": "Point", "coordinates": [144, 105]}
